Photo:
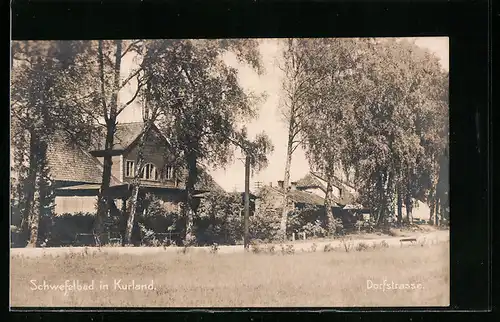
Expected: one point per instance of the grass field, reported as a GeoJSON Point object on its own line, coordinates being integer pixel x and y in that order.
{"type": "Point", "coordinates": [326, 279]}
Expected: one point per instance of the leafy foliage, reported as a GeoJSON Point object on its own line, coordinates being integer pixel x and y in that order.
{"type": "Point", "coordinates": [203, 104]}
{"type": "Point", "coordinates": [378, 108]}
{"type": "Point", "coordinates": [44, 107]}
{"type": "Point", "coordinates": [219, 219]}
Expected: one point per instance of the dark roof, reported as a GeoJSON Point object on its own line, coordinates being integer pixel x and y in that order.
{"type": "Point", "coordinates": [72, 163]}
{"type": "Point", "coordinates": [306, 198]}
{"type": "Point", "coordinates": [125, 135]}
{"type": "Point", "coordinates": [69, 162]}
{"type": "Point", "coordinates": [310, 181]}
{"type": "Point", "coordinates": [296, 196]}
{"type": "Point", "coordinates": [313, 180]}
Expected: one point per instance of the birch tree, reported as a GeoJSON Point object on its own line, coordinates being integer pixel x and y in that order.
{"type": "Point", "coordinates": [45, 105]}
{"type": "Point", "coordinates": [109, 82]}
{"type": "Point", "coordinates": [204, 103]}
{"type": "Point", "coordinates": [299, 77]}
{"type": "Point", "coordinates": [395, 133]}
{"type": "Point", "coordinates": [308, 65]}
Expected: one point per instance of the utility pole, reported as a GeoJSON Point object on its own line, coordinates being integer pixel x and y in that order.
{"type": "Point", "coordinates": [247, 201]}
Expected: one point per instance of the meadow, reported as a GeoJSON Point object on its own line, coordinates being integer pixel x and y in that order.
{"type": "Point", "coordinates": [315, 278]}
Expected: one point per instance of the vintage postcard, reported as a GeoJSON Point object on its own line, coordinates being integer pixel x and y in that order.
{"type": "Point", "coordinates": [230, 173]}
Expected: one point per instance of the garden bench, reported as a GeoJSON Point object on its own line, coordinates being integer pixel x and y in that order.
{"type": "Point", "coordinates": [411, 240]}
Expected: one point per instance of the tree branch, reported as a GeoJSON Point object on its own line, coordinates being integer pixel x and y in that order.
{"type": "Point", "coordinates": [132, 75]}
{"type": "Point", "coordinates": [130, 47]}
{"type": "Point", "coordinates": [297, 144]}
{"type": "Point", "coordinates": [139, 86]}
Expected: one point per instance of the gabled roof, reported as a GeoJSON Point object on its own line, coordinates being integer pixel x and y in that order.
{"type": "Point", "coordinates": [126, 134]}
{"type": "Point", "coordinates": [306, 198]}
{"type": "Point", "coordinates": [69, 162]}
{"type": "Point", "coordinates": [314, 180]}
{"type": "Point", "coordinates": [296, 196]}
{"type": "Point", "coordinates": [310, 181]}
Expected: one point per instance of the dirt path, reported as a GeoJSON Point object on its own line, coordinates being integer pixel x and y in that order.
{"type": "Point", "coordinates": [430, 237]}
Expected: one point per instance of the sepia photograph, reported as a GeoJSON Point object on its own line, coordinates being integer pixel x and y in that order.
{"type": "Point", "coordinates": [253, 172]}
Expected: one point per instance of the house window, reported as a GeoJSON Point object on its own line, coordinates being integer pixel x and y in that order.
{"type": "Point", "coordinates": [169, 173]}
{"type": "Point", "coordinates": [129, 168]}
{"type": "Point", "coordinates": [149, 172]}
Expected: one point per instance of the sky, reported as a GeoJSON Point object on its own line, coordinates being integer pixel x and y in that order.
{"type": "Point", "coordinates": [270, 119]}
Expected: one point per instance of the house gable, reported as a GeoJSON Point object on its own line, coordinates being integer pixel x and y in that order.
{"type": "Point", "coordinates": [159, 160]}
{"type": "Point", "coordinates": [72, 166]}
{"type": "Point", "coordinates": [343, 193]}
{"type": "Point", "coordinates": [69, 164]}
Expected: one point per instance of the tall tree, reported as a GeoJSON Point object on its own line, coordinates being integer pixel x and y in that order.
{"type": "Point", "coordinates": [150, 116]}
{"type": "Point", "coordinates": [317, 84]}
{"type": "Point", "coordinates": [43, 108]}
{"type": "Point", "coordinates": [397, 98]}
{"type": "Point", "coordinates": [111, 79]}
{"type": "Point", "coordinates": [303, 68]}
{"type": "Point", "coordinates": [204, 103]}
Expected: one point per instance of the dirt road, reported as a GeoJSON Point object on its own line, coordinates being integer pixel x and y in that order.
{"type": "Point", "coordinates": [428, 238]}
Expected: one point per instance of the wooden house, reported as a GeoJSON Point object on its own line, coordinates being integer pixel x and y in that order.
{"type": "Point", "coordinates": [78, 172]}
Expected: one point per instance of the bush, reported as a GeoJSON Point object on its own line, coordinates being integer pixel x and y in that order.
{"type": "Point", "coordinates": [16, 237]}
{"type": "Point", "coordinates": [255, 249]}
{"type": "Point", "coordinates": [328, 248]}
{"type": "Point", "coordinates": [264, 228]}
{"type": "Point", "coordinates": [65, 227]}
{"type": "Point", "coordinates": [288, 250]}
{"type": "Point", "coordinates": [219, 219]}
{"type": "Point", "coordinates": [214, 249]}
{"type": "Point", "coordinates": [362, 246]}
{"type": "Point", "coordinates": [348, 245]}
{"type": "Point", "coordinates": [271, 249]}
{"type": "Point", "coordinates": [310, 220]}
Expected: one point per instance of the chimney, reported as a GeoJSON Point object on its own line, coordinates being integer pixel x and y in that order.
{"type": "Point", "coordinates": [270, 184]}
{"type": "Point", "coordinates": [280, 184]}
{"type": "Point", "coordinates": [293, 185]}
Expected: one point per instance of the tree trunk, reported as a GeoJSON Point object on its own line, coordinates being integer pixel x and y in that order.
{"type": "Point", "coordinates": [34, 218]}
{"type": "Point", "coordinates": [431, 211]}
{"type": "Point", "coordinates": [436, 212]}
{"type": "Point", "coordinates": [409, 208]}
{"type": "Point", "coordinates": [189, 208]}
{"type": "Point", "coordinates": [400, 207]}
{"type": "Point", "coordinates": [286, 181]}
{"type": "Point", "coordinates": [103, 200]}
{"type": "Point", "coordinates": [131, 216]}
{"type": "Point", "coordinates": [247, 203]}
{"type": "Point", "coordinates": [381, 196]}
{"type": "Point", "coordinates": [103, 197]}
{"type": "Point", "coordinates": [328, 208]}
{"type": "Point", "coordinates": [30, 187]}
{"type": "Point", "coordinates": [45, 196]}
{"type": "Point", "coordinates": [390, 195]}
{"type": "Point", "coordinates": [136, 183]}
{"type": "Point", "coordinates": [41, 196]}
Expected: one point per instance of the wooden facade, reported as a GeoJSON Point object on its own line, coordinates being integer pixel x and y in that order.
{"type": "Point", "coordinates": [78, 183]}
